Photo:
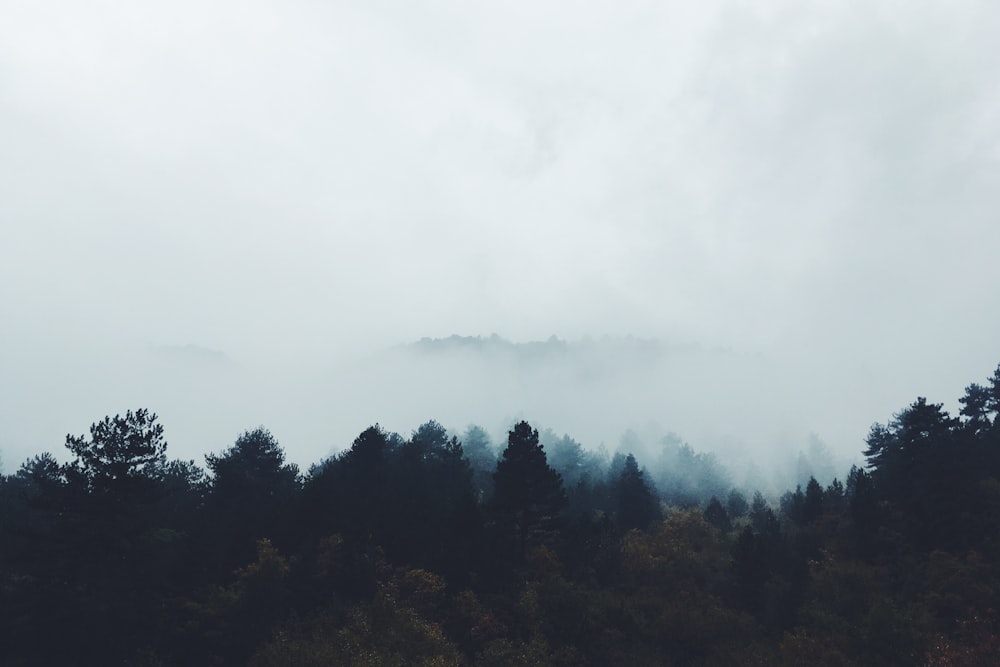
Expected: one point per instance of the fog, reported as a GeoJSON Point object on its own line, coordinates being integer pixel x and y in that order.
{"type": "Point", "coordinates": [235, 214]}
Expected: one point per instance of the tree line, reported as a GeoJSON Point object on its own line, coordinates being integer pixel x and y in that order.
{"type": "Point", "coordinates": [438, 550]}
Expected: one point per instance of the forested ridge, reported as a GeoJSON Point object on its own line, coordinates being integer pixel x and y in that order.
{"type": "Point", "coordinates": [436, 549]}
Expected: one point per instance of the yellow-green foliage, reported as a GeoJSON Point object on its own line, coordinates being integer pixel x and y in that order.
{"type": "Point", "coordinates": [392, 630]}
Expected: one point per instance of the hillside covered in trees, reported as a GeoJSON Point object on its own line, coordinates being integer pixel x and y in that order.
{"type": "Point", "coordinates": [444, 549]}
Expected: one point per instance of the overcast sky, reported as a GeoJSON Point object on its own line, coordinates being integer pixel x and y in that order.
{"type": "Point", "coordinates": [300, 182]}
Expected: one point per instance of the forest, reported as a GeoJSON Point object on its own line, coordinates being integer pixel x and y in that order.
{"type": "Point", "coordinates": [443, 549]}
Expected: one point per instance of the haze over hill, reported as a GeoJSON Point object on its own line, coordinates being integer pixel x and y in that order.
{"type": "Point", "coordinates": [807, 193]}
{"type": "Point", "coordinates": [747, 408]}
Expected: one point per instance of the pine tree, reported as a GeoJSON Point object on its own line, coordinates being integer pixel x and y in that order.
{"type": "Point", "coordinates": [528, 494]}
{"type": "Point", "coordinates": [638, 505]}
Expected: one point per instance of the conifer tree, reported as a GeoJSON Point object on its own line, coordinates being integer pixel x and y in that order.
{"type": "Point", "coordinates": [638, 505]}
{"type": "Point", "coordinates": [528, 494]}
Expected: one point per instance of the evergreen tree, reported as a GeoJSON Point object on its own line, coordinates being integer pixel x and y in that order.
{"type": "Point", "coordinates": [252, 471]}
{"type": "Point", "coordinates": [435, 519]}
{"type": "Point", "coordinates": [762, 517]}
{"type": "Point", "coordinates": [123, 457]}
{"type": "Point", "coordinates": [637, 503]}
{"type": "Point", "coordinates": [993, 403]}
{"type": "Point", "coordinates": [834, 495]}
{"type": "Point", "coordinates": [737, 505]}
{"type": "Point", "coordinates": [528, 494]}
{"type": "Point", "coordinates": [482, 457]}
{"type": "Point", "coordinates": [812, 506]}
{"type": "Point", "coordinates": [976, 408]}
{"type": "Point", "coordinates": [250, 495]}
{"type": "Point", "coordinates": [716, 515]}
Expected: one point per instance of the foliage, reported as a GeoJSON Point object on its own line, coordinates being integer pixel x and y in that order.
{"type": "Point", "coordinates": [637, 502]}
{"type": "Point", "coordinates": [528, 495]}
{"type": "Point", "coordinates": [396, 552]}
{"type": "Point", "coordinates": [122, 457]}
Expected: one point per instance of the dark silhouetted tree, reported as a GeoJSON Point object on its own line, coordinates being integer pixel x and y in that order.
{"type": "Point", "coordinates": [252, 473]}
{"type": "Point", "coordinates": [834, 496]}
{"type": "Point", "coordinates": [716, 515]}
{"type": "Point", "coordinates": [860, 494]}
{"type": "Point", "coordinates": [637, 503]}
{"type": "Point", "coordinates": [792, 505]}
{"type": "Point", "coordinates": [737, 505]}
{"type": "Point", "coordinates": [528, 494]}
{"type": "Point", "coordinates": [435, 519]}
{"type": "Point", "coordinates": [123, 457]}
{"type": "Point", "coordinates": [253, 488]}
{"type": "Point", "coordinates": [976, 408]}
{"type": "Point", "coordinates": [40, 481]}
{"type": "Point", "coordinates": [924, 466]}
{"type": "Point", "coordinates": [899, 450]}
{"type": "Point", "coordinates": [812, 506]}
{"type": "Point", "coordinates": [762, 517]}
{"type": "Point", "coordinates": [993, 404]}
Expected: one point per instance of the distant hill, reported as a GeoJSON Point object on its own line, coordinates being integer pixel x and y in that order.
{"type": "Point", "coordinates": [594, 389]}
{"type": "Point", "coordinates": [192, 355]}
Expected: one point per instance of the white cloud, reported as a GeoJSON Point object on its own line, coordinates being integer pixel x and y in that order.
{"type": "Point", "coordinates": [299, 181]}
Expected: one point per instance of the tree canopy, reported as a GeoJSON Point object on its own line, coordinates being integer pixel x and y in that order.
{"type": "Point", "coordinates": [389, 552]}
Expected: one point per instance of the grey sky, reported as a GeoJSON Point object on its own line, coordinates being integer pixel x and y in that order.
{"type": "Point", "coordinates": [298, 183]}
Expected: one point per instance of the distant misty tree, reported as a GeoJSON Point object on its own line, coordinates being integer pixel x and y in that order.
{"type": "Point", "coordinates": [687, 478]}
{"type": "Point", "coordinates": [568, 458]}
{"type": "Point", "coordinates": [528, 494]}
{"type": "Point", "coordinates": [482, 458]}
{"type": "Point", "coordinates": [816, 461]}
{"type": "Point", "coordinates": [122, 458]}
{"type": "Point", "coordinates": [616, 466]}
{"type": "Point", "coordinates": [736, 504]}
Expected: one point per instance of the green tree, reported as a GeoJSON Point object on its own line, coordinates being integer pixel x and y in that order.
{"type": "Point", "coordinates": [566, 456]}
{"type": "Point", "coordinates": [637, 503]}
{"type": "Point", "coordinates": [896, 448]}
{"type": "Point", "coordinates": [435, 518]}
{"type": "Point", "coordinates": [123, 457]}
{"type": "Point", "coordinates": [993, 404]}
{"type": "Point", "coordinates": [813, 505]}
{"type": "Point", "coordinates": [736, 504]}
{"type": "Point", "coordinates": [253, 467]}
{"type": "Point", "coordinates": [41, 481]}
{"type": "Point", "coordinates": [716, 515]}
{"type": "Point", "coordinates": [482, 457]}
{"type": "Point", "coordinates": [250, 495]}
{"type": "Point", "coordinates": [528, 494]}
{"type": "Point", "coordinates": [976, 407]}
